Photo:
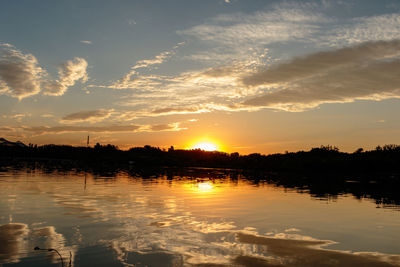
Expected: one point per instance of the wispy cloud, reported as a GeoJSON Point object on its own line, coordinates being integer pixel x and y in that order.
{"type": "Point", "coordinates": [47, 115]}
{"type": "Point", "coordinates": [86, 42]}
{"type": "Point", "coordinates": [228, 36]}
{"type": "Point", "coordinates": [132, 79]}
{"type": "Point", "coordinates": [19, 117]}
{"type": "Point", "coordinates": [167, 127]}
{"type": "Point", "coordinates": [180, 110]}
{"type": "Point", "coordinates": [38, 130]}
{"type": "Point", "coordinates": [188, 91]}
{"type": "Point", "coordinates": [244, 36]}
{"type": "Point", "coordinates": [264, 27]}
{"type": "Point", "coordinates": [7, 129]}
{"type": "Point", "coordinates": [367, 71]}
{"type": "Point", "coordinates": [21, 76]}
{"type": "Point", "coordinates": [295, 22]}
{"type": "Point", "coordinates": [376, 28]}
{"type": "Point", "coordinates": [242, 70]}
{"type": "Point", "coordinates": [68, 73]}
{"type": "Point", "coordinates": [132, 22]}
{"type": "Point", "coordinates": [87, 116]}
{"type": "Point", "coordinates": [111, 128]}
{"type": "Point", "coordinates": [159, 59]}
{"type": "Point", "coordinates": [193, 92]}
{"type": "Point", "coordinates": [322, 62]}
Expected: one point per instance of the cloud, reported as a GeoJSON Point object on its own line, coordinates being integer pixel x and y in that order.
{"type": "Point", "coordinates": [228, 36]}
{"type": "Point", "coordinates": [47, 115]}
{"type": "Point", "coordinates": [286, 22]}
{"type": "Point", "coordinates": [149, 62]}
{"type": "Point", "coordinates": [375, 28]}
{"type": "Point", "coordinates": [306, 252]}
{"type": "Point", "coordinates": [189, 92]}
{"type": "Point", "coordinates": [39, 130]}
{"type": "Point", "coordinates": [132, 79]}
{"type": "Point", "coordinates": [240, 70]}
{"type": "Point", "coordinates": [86, 42]}
{"type": "Point", "coordinates": [244, 36]}
{"type": "Point", "coordinates": [6, 129]}
{"type": "Point", "coordinates": [13, 239]}
{"type": "Point", "coordinates": [321, 62]}
{"type": "Point", "coordinates": [17, 116]}
{"type": "Point", "coordinates": [124, 116]}
{"type": "Point", "coordinates": [239, 36]}
{"type": "Point", "coordinates": [160, 58]}
{"type": "Point", "coordinates": [90, 115]}
{"type": "Point", "coordinates": [167, 127]}
{"type": "Point", "coordinates": [159, 95]}
{"type": "Point", "coordinates": [68, 73]}
{"type": "Point", "coordinates": [238, 49]}
{"type": "Point", "coordinates": [263, 27]}
{"type": "Point", "coordinates": [367, 71]}
{"type": "Point", "coordinates": [20, 74]}
{"type": "Point", "coordinates": [180, 110]}
{"type": "Point", "coordinates": [188, 88]}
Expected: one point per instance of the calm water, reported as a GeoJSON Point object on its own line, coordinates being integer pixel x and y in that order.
{"type": "Point", "coordinates": [186, 221]}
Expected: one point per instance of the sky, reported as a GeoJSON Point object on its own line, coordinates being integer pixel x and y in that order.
{"type": "Point", "coordinates": [249, 76]}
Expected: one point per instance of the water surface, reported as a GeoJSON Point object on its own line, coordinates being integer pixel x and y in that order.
{"type": "Point", "coordinates": [207, 218]}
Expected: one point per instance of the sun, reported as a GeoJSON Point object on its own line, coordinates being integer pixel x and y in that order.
{"type": "Point", "coordinates": [206, 146]}
{"type": "Point", "coordinates": [204, 187]}
{"type": "Point", "coordinates": [205, 143]}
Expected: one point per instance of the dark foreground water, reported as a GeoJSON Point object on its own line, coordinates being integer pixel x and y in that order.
{"type": "Point", "coordinates": [186, 220]}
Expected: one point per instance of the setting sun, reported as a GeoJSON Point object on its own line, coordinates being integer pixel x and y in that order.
{"type": "Point", "coordinates": [207, 146]}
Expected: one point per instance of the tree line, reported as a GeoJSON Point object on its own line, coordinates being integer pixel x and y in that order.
{"type": "Point", "coordinates": [323, 158]}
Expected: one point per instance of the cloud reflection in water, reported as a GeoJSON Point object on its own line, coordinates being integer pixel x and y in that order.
{"type": "Point", "coordinates": [177, 222]}
{"type": "Point", "coordinates": [17, 241]}
{"type": "Point", "coordinates": [13, 242]}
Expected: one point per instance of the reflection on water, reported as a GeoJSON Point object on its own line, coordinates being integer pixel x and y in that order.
{"type": "Point", "coordinates": [51, 239]}
{"type": "Point", "coordinates": [203, 187]}
{"type": "Point", "coordinates": [308, 252]}
{"type": "Point", "coordinates": [210, 218]}
{"type": "Point", "coordinates": [17, 240]}
{"type": "Point", "coordinates": [12, 241]}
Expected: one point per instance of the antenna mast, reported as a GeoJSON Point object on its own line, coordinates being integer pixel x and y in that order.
{"type": "Point", "coordinates": [87, 143]}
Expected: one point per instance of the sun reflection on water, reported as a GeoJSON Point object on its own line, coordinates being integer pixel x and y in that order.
{"type": "Point", "coordinates": [191, 220]}
{"type": "Point", "coordinates": [204, 187]}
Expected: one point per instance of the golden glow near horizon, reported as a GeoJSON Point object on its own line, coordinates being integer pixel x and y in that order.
{"type": "Point", "coordinates": [202, 188]}
{"type": "Point", "coordinates": [205, 144]}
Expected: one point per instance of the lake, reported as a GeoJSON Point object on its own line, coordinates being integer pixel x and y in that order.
{"type": "Point", "coordinates": [192, 217]}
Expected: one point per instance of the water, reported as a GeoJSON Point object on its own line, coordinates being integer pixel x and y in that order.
{"type": "Point", "coordinates": [206, 218]}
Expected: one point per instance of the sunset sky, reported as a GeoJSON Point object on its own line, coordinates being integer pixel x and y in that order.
{"type": "Point", "coordinates": [249, 76]}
